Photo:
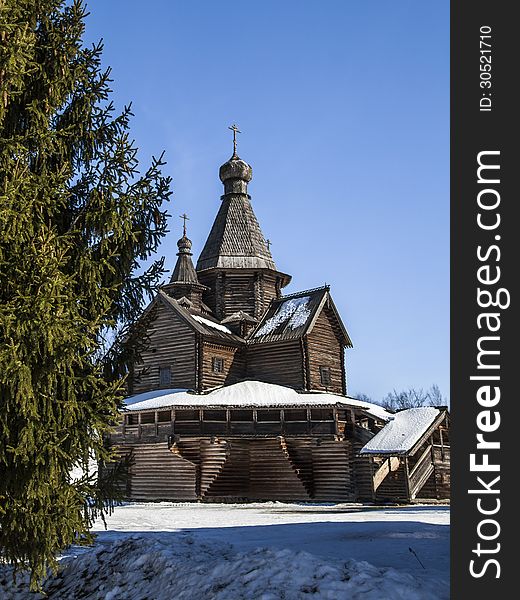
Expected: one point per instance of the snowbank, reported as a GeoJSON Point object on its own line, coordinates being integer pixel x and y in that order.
{"type": "Point", "coordinates": [136, 567]}
{"type": "Point", "coordinates": [402, 432]}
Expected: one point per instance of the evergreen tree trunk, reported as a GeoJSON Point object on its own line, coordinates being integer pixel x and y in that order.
{"type": "Point", "coordinates": [76, 221]}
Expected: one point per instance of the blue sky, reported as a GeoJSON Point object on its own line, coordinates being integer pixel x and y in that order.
{"type": "Point", "coordinates": [344, 113]}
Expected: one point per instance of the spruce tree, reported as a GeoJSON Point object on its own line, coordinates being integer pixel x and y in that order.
{"type": "Point", "coordinates": [77, 221]}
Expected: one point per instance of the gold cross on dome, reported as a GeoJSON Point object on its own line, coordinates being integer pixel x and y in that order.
{"type": "Point", "coordinates": [185, 218]}
{"type": "Point", "coordinates": [235, 130]}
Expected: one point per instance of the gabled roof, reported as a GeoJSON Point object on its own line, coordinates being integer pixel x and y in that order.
{"type": "Point", "coordinates": [235, 240]}
{"type": "Point", "coordinates": [407, 429]}
{"type": "Point", "coordinates": [291, 317]}
{"type": "Point", "coordinates": [238, 317]}
{"type": "Point", "coordinates": [203, 324]}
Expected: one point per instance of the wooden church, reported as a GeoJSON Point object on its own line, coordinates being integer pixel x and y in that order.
{"type": "Point", "coordinates": [240, 392]}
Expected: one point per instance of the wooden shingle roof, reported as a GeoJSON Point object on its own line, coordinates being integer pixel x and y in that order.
{"type": "Point", "coordinates": [291, 317]}
{"type": "Point", "coordinates": [205, 325]}
{"type": "Point", "coordinates": [235, 240]}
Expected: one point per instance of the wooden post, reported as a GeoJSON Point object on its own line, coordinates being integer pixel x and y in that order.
{"type": "Point", "coordinates": [372, 489]}
{"type": "Point", "coordinates": [432, 450]}
{"type": "Point", "coordinates": [407, 478]}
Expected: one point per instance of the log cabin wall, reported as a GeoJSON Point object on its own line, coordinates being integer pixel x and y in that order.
{"type": "Point", "coordinates": [232, 364]}
{"type": "Point", "coordinates": [280, 363]}
{"type": "Point", "coordinates": [324, 349]}
{"type": "Point", "coordinates": [442, 472]}
{"type": "Point", "coordinates": [171, 344]}
{"type": "Point", "coordinates": [158, 474]}
{"type": "Point", "coordinates": [232, 291]}
{"type": "Point", "coordinates": [363, 473]}
{"type": "Point", "coordinates": [284, 469]}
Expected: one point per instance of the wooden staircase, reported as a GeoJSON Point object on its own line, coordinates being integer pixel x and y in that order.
{"type": "Point", "coordinates": [420, 472]}
{"type": "Point", "coordinates": [389, 465]}
{"type": "Point", "coordinates": [300, 459]}
{"type": "Point", "coordinates": [232, 477]}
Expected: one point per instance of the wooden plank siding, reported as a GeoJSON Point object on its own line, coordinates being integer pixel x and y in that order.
{"type": "Point", "coordinates": [325, 349]}
{"type": "Point", "coordinates": [233, 368]}
{"type": "Point", "coordinates": [171, 343]}
{"type": "Point", "coordinates": [279, 363]}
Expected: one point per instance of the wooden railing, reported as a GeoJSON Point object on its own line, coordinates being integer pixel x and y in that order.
{"type": "Point", "coordinates": [420, 472]}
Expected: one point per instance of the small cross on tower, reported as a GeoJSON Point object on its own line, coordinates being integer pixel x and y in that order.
{"type": "Point", "coordinates": [185, 218]}
{"type": "Point", "coordinates": [235, 130]}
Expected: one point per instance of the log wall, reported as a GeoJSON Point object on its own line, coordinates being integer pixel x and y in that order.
{"type": "Point", "coordinates": [241, 469]}
{"type": "Point", "coordinates": [158, 474]}
{"type": "Point", "coordinates": [281, 363]}
{"type": "Point", "coordinates": [171, 343]}
{"type": "Point", "coordinates": [324, 349]}
{"type": "Point", "coordinates": [230, 292]}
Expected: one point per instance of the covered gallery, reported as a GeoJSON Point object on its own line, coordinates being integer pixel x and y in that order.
{"type": "Point", "coordinates": [261, 441]}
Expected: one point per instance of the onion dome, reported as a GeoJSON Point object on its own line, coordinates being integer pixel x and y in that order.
{"type": "Point", "coordinates": [184, 245]}
{"type": "Point", "coordinates": [235, 168]}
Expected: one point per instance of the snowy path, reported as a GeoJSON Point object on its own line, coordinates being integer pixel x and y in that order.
{"type": "Point", "coordinates": [264, 551]}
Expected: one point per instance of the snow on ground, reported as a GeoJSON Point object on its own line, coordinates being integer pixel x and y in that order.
{"type": "Point", "coordinates": [266, 551]}
{"type": "Point", "coordinates": [402, 432]}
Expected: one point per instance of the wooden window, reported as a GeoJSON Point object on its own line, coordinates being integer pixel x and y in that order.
{"type": "Point", "coordinates": [322, 414]}
{"type": "Point", "coordinates": [295, 415]}
{"type": "Point", "coordinates": [164, 416]}
{"type": "Point", "coordinates": [268, 416]}
{"type": "Point", "coordinates": [132, 419]}
{"type": "Point", "coordinates": [325, 375]}
{"type": "Point", "coordinates": [186, 415]}
{"type": "Point", "coordinates": [147, 418]}
{"type": "Point", "coordinates": [214, 415]}
{"type": "Point", "coordinates": [165, 376]}
{"type": "Point", "coordinates": [241, 415]}
{"type": "Point", "coordinates": [217, 364]}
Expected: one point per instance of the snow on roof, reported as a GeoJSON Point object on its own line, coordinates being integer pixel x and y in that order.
{"type": "Point", "coordinates": [248, 393]}
{"type": "Point", "coordinates": [292, 313]}
{"type": "Point", "coordinates": [161, 399]}
{"type": "Point", "coordinates": [401, 434]}
{"type": "Point", "coordinates": [209, 323]}
{"type": "Point", "coordinates": [373, 409]}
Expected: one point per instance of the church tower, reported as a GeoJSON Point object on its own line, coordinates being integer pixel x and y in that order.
{"type": "Point", "coordinates": [184, 285]}
{"type": "Point", "coordinates": [236, 263]}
